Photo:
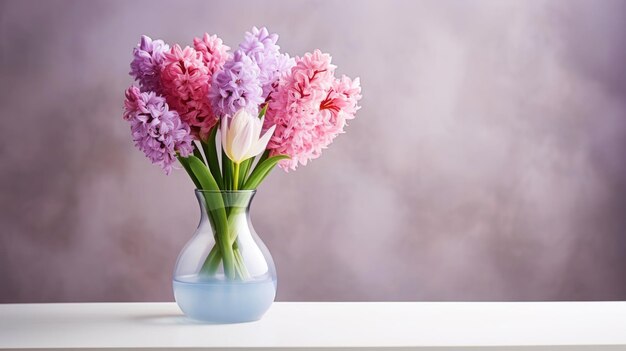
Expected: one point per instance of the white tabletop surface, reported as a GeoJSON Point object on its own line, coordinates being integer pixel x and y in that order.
{"type": "Point", "coordinates": [292, 325]}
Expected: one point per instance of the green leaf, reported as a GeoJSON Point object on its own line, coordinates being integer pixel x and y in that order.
{"type": "Point", "coordinates": [227, 171]}
{"type": "Point", "coordinates": [202, 173]}
{"type": "Point", "coordinates": [210, 153]}
{"type": "Point", "coordinates": [244, 169]}
{"type": "Point", "coordinates": [184, 162]}
{"type": "Point", "coordinates": [262, 170]}
{"type": "Point", "coordinates": [197, 153]}
{"type": "Point", "coordinates": [263, 111]}
{"type": "Point", "coordinates": [263, 157]}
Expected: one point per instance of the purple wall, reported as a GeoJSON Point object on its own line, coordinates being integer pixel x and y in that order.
{"type": "Point", "coordinates": [487, 162]}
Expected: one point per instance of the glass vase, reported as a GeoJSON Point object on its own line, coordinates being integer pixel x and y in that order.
{"type": "Point", "coordinates": [225, 274]}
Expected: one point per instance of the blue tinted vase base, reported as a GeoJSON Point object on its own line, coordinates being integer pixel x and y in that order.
{"type": "Point", "coordinates": [221, 301]}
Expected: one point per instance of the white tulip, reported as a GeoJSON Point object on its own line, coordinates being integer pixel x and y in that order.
{"type": "Point", "coordinates": [242, 139]}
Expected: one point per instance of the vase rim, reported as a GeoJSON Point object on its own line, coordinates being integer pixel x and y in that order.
{"type": "Point", "coordinates": [225, 191]}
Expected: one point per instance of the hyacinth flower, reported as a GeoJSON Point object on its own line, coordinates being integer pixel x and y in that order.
{"type": "Point", "coordinates": [237, 86]}
{"type": "Point", "coordinates": [156, 130]}
{"type": "Point", "coordinates": [214, 52]}
{"type": "Point", "coordinates": [185, 81]}
{"type": "Point", "coordinates": [147, 63]}
{"type": "Point", "coordinates": [260, 45]}
{"type": "Point", "coordinates": [310, 108]}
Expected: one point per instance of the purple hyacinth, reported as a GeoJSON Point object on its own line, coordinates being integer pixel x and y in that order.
{"type": "Point", "coordinates": [261, 47]}
{"type": "Point", "coordinates": [147, 61]}
{"type": "Point", "coordinates": [156, 130]}
{"type": "Point", "coordinates": [236, 86]}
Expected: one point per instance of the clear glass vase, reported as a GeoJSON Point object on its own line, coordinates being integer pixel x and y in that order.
{"type": "Point", "coordinates": [225, 274]}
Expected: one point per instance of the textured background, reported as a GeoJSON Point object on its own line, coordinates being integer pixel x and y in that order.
{"type": "Point", "coordinates": [487, 162]}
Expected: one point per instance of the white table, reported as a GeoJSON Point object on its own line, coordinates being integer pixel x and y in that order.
{"type": "Point", "coordinates": [439, 326]}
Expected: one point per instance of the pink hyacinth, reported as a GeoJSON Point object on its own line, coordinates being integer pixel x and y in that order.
{"type": "Point", "coordinates": [186, 79]}
{"type": "Point", "coordinates": [214, 52]}
{"type": "Point", "coordinates": [310, 108]}
{"type": "Point", "coordinates": [156, 130]}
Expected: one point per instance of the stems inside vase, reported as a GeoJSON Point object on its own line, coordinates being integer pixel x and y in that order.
{"type": "Point", "coordinates": [226, 177]}
{"type": "Point", "coordinates": [226, 250]}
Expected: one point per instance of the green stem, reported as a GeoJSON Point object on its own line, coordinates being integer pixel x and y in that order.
{"type": "Point", "coordinates": [226, 249]}
{"type": "Point", "coordinates": [227, 170]}
{"type": "Point", "coordinates": [236, 177]}
{"type": "Point", "coordinates": [228, 256]}
{"type": "Point", "coordinates": [212, 262]}
{"type": "Point", "coordinates": [245, 168]}
{"type": "Point", "coordinates": [232, 225]}
{"type": "Point", "coordinates": [241, 266]}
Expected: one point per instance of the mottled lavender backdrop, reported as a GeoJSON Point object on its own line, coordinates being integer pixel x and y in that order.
{"type": "Point", "coordinates": [487, 162]}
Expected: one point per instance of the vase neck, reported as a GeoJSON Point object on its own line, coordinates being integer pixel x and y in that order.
{"type": "Point", "coordinates": [231, 201]}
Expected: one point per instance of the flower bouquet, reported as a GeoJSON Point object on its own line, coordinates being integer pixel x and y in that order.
{"type": "Point", "coordinates": [229, 118]}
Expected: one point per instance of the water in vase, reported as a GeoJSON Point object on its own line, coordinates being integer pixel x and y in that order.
{"type": "Point", "coordinates": [211, 300]}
